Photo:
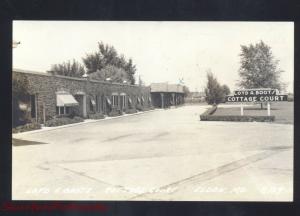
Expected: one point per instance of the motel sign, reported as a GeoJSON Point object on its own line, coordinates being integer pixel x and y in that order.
{"type": "Point", "coordinates": [256, 95]}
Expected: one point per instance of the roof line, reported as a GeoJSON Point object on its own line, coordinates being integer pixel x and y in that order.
{"type": "Point", "coordinates": [71, 78]}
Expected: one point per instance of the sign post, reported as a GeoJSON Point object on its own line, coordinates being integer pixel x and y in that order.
{"type": "Point", "coordinates": [242, 110]}
{"type": "Point", "coordinates": [269, 111]}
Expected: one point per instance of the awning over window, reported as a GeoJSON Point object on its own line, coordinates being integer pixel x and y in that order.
{"type": "Point", "coordinates": [149, 99]}
{"type": "Point", "coordinates": [130, 101]}
{"type": "Point", "coordinates": [139, 100]}
{"type": "Point", "coordinates": [108, 100]}
{"type": "Point", "coordinates": [65, 100]}
{"type": "Point", "coordinates": [143, 99]}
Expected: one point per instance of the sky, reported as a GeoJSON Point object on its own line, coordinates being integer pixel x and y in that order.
{"type": "Point", "coordinates": [162, 51]}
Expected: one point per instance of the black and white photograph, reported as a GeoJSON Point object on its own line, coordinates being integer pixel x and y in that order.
{"type": "Point", "coordinates": [153, 110]}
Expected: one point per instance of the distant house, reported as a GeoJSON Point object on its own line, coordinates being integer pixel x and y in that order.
{"type": "Point", "coordinates": [164, 95]}
{"type": "Point", "coordinates": [195, 97]}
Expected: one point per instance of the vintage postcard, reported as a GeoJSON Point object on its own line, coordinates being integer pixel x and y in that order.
{"type": "Point", "coordinates": [153, 111]}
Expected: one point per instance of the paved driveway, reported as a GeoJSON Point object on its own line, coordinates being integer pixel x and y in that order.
{"type": "Point", "coordinates": [159, 155]}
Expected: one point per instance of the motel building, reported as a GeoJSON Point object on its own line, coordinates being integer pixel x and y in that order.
{"type": "Point", "coordinates": [165, 95]}
{"type": "Point", "coordinates": [54, 96]}
{"type": "Point", "coordinates": [50, 96]}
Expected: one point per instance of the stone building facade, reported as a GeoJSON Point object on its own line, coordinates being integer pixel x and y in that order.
{"type": "Point", "coordinates": [54, 95]}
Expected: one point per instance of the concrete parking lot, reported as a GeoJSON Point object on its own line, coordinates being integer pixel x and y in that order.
{"type": "Point", "coordinates": [159, 155]}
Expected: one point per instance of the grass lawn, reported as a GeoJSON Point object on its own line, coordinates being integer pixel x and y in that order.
{"type": "Point", "coordinates": [283, 111]}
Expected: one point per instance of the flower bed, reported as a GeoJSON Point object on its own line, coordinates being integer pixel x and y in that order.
{"type": "Point", "coordinates": [62, 121]}
{"type": "Point", "coordinates": [208, 116]}
{"type": "Point", "coordinates": [114, 113]}
{"type": "Point", "coordinates": [96, 116]}
{"type": "Point", "coordinates": [237, 118]}
{"type": "Point", "coordinates": [130, 111]}
{"type": "Point", "coordinates": [26, 127]}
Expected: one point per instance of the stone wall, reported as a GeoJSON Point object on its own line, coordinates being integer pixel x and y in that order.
{"type": "Point", "coordinates": [45, 87]}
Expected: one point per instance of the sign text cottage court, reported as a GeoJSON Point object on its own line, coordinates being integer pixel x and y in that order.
{"type": "Point", "coordinates": [256, 95]}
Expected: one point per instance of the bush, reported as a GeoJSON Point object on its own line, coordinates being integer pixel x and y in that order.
{"type": "Point", "coordinates": [26, 127]}
{"type": "Point", "coordinates": [210, 111]}
{"type": "Point", "coordinates": [146, 109]}
{"type": "Point", "coordinates": [290, 98]}
{"type": "Point", "coordinates": [114, 113]}
{"type": "Point", "coordinates": [96, 116]}
{"type": "Point", "coordinates": [62, 121]}
{"type": "Point", "coordinates": [130, 111]}
{"type": "Point", "coordinates": [139, 107]}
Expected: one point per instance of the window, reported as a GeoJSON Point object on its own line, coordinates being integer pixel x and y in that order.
{"type": "Point", "coordinates": [98, 103]}
{"type": "Point", "coordinates": [123, 100]}
{"type": "Point", "coordinates": [32, 102]}
{"type": "Point", "coordinates": [67, 110]}
{"type": "Point", "coordinates": [63, 110]}
{"type": "Point", "coordinates": [115, 101]}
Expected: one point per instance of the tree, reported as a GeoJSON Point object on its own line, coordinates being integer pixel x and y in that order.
{"type": "Point", "coordinates": [226, 90]}
{"type": "Point", "coordinates": [113, 73]}
{"type": "Point", "coordinates": [186, 90]}
{"type": "Point", "coordinates": [141, 82]}
{"type": "Point", "coordinates": [130, 70]}
{"type": "Point", "coordinates": [69, 68]}
{"type": "Point", "coordinates": [105, 56]}
{"type": "Point", "coordinates": [213, 91]}
{"type": "Point", "coordinates": [259, 68]}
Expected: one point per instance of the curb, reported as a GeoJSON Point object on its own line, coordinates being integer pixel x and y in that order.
{"type": "Point", "coordinates": [87, 121]}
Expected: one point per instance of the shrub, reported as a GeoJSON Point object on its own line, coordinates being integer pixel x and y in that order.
{"type": "Point", "coordinates": [114, 113]}
{"type": "Point", "coordinates": [139, 107]}
{"type": "Point", "coordinates": [62, 121]}
{"type": "Point", "coordinates": [146, 109]}
{"type": "Point", "coordinates": [96, 116]}
{"type": "Point", "coordinates": [290, 98]}
{"type": "Point", "coordinates": [130, 111]}
{"type": "Point", "coordinates": [77, 119]}
{"type": "Point", "coordinates": [26, 127]}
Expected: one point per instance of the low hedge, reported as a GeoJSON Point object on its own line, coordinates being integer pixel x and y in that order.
{"type": "Point", "coordinates": [146, 109]}
{"type": "Point", "coordinates": [139, 108]}
{"type": "Point", "coordinates": [96, 116]}
{"type": "Point", "coordinates": [114, 113]}
{"type": "Point", "coordinates": [208, 116]}
{"type": "Point", "coordinates": [26, 127]}
{"type": "Point", "coordinates": [130, 111]}
{"type": "Point", "coordinates": [62, 121]}
{"type": "Point", "coordinates": [237, 118]}
{"type": "Point", "coordinates": [209, 111]}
